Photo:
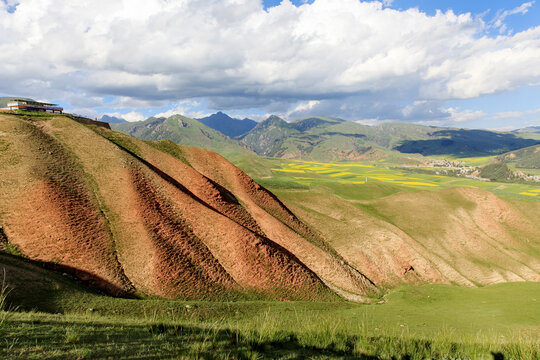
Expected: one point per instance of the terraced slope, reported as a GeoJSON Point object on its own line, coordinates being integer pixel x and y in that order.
{"type": "Point", "coordinates": [130, 216]}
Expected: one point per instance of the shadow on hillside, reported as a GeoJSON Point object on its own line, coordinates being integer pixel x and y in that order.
{"type": "Point", "coordinates": [465, 143]}
{"type": "Point", "coordinates": [333, 133]}
{"type": "Point", "coordinates": [35, 284]}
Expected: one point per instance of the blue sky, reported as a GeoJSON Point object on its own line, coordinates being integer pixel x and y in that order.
{"type": "Point", "coordinates": [472, 64]}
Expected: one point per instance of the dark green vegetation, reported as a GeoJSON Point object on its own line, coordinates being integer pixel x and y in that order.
{"type": "Point", "coordinates": [57, 317]}
{"type": "Point", "coordinates": [497, 171]}
{"type": "Point", "coordinates": [228, 125]}
{"type": "Point", "coordinates": [185, 131]}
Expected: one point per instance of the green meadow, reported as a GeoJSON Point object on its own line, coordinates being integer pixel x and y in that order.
{"type": "Point", "coordinates": [424, 322]}
{"type": "Point", "coordinates": [281, 173]}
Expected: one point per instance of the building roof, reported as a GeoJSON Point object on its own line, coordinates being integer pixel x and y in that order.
{"type": "Point", "coordinates": [32, 102]}
{"type": "Point", "coordinates": [5, 99]}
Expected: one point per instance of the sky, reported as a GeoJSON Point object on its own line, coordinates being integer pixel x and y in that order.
{"type": "Point", "coordinates": [467, 64]}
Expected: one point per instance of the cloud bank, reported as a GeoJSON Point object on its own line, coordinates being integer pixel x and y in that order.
{"type": "Point", "coordinates": [343, 58]}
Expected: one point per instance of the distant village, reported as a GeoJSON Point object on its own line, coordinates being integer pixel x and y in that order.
{"type": "Point", "coordinates": [461, 169]}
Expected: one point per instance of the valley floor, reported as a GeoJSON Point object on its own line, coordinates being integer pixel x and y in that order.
{"type": "Point", "coordinates": [429, 321]}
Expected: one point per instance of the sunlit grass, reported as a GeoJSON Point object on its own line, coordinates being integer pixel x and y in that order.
{"type": "Point", "coordinates": [425, 322]}
{"type": "Point", "coordinates": [358, 173]}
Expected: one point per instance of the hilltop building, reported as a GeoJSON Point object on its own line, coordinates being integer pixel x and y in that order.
{"type": "Point", "coordinates": [30, 105]}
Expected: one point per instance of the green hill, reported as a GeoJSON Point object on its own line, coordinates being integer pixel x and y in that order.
{"type": "Point", "coordinates": [267, 137]}
{"type": "Point", "coordinates": [527, 158]}
{"type": "Point", "coordinates": [497, 171]}
{"type": "Point", "coordinates": [466, 143]}
{"type": "Point", "coordinates": [327, 139]}
{"type": "Point", "coordinates": [182, 130]}
{"type": "Point", "coordinates": [315, 138]}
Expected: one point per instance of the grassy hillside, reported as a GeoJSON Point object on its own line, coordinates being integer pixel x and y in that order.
{"type": "Point", "coordinates": [319, 138]}
{"type": "Point", "coordinates": [466, 143]}
{"type": "Point", "coordinates": [528, 158]}
{"type": "Point", "coordinates": [135, 217]}
{"type": "Point", "coordinates": [326, 139]}
{"type": "Point", "coordinates": [184, 131]}
{"type": "Point", "coordinates": [447, 229]}
{"type": "Point", "coordinates": [497, 171]}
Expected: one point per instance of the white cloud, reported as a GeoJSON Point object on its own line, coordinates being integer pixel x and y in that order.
{"type": "Point", "coordinates": [457, 116]}
{"type": "Point", "coordinates": [360, 54]}
{"type": "Point", "coordinates": [188, 108]}
{"type": "Point", "coordinates": [500, 120]}
{"type": "Point", "coordinates": [523, 116]}
{"type": "Point", "coordinates": [130, 116]}
{"type": "Point", "coordinates": [498, 21]}
{"type": "Point", "coordinates": [303, 107]}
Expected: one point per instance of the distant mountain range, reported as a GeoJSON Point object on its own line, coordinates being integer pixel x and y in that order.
{"type": "Point", "coordinates": [112, 119]}
{"type": "Point", "coordinates": [320, 138]}
{"type": "Point", "coordinates": [326, 139]}
{"type": "Point", "coordinates": [530, 129]}
{"type": "Point", "coordinates": [227, 125]}
{"type": "Point", "coordinates": [182, 130]}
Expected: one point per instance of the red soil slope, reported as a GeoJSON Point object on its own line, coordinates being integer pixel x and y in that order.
{"type": "Point", "coordinates": [130, 218]}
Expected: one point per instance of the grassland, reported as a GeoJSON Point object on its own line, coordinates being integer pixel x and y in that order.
{"type": "Point", "coordinates": [429, 321]}
{"type": "Point", "coordinates": [310, 174]}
